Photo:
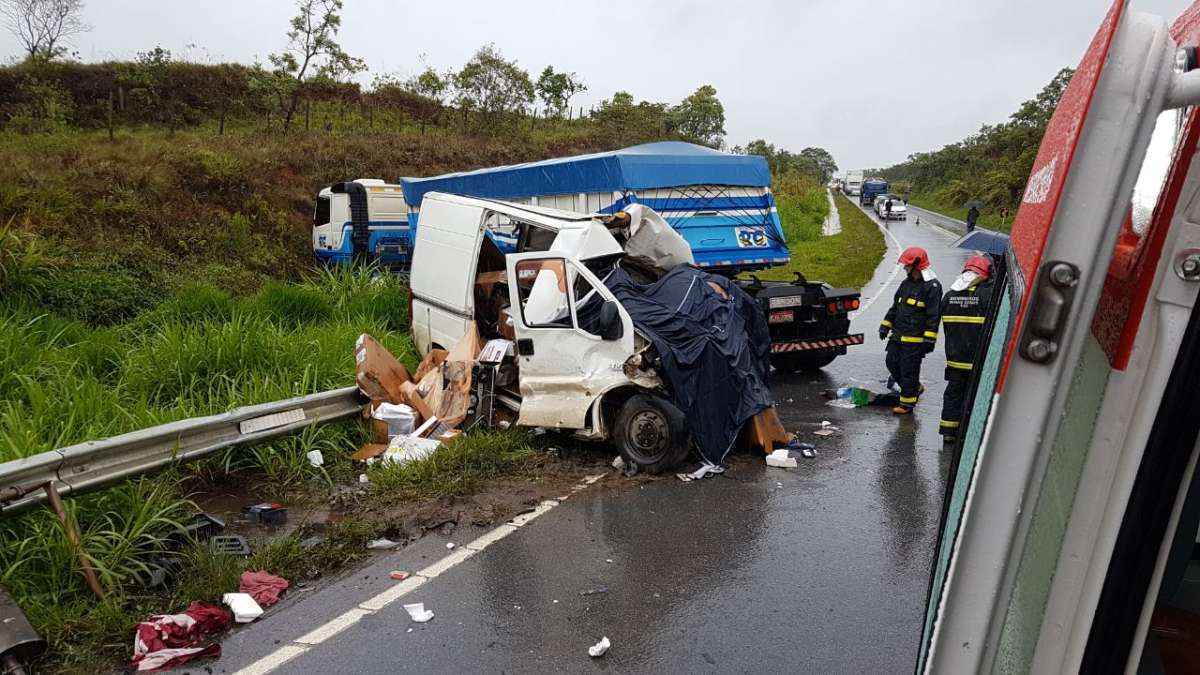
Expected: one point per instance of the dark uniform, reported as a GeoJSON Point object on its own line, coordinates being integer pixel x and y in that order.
{"type": "Point", "coordinates": [963, 314]}
{"type": "Point", "coordinates": [913, 322]}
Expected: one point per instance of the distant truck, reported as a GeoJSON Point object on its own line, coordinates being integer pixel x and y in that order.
{"type": "Point", "coordinates": [853, 184]}
{"type": "Point", "coordinates": [872, 188]}
{"type": "Point", "coordinates": [364, 219]}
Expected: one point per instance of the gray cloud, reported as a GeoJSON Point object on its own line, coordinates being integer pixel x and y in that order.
{"type": "Point", "coordinates": [870, 80]}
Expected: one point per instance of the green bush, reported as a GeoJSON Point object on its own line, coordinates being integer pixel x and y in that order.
{"type": "Point", "coordinates": [290, 305]}
{"type": "Point", "coordinates": [97, 293]}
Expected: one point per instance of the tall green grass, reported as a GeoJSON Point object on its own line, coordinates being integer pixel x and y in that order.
{"type": "Point", "coordinates": [199, 352]}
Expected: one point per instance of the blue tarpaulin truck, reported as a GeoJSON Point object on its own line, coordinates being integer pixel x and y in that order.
{"type": "Point", "coordinates": [872, 188]}
{"type": "Point", "coordinates": [722, 205]}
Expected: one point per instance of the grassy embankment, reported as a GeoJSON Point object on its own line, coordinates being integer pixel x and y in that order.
{"type": "Point", "coordinates": [845, 260]}
{"type": "Point", "coordinates": [164, 276]}
{"type": "Point", "coordinates": [987, 219]}
{"type": "Point", "coordinates": [201, 351]}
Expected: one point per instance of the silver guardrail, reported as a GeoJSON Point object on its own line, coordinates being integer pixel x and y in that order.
{"type": "Point", "coordinates": [95, 463]}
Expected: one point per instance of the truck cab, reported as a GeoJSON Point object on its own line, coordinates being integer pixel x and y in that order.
{"type": "Point", "coordinates": [1069, 523]}
{"type": "Point", "coordinates": [872, 188]}
{"type": "Point", "coordinates": [364, 219]}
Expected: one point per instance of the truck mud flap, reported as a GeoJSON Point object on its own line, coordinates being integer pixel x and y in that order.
{"type": "Point", "coordinates": [804, 345]}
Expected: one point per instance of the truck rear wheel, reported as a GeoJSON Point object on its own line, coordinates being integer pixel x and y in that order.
{"type": "Point", "coordinates": [652, 433]}
{"type": "Point", "coordinates": [803, 362]}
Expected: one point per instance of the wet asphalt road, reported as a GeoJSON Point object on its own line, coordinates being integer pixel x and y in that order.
{"type": "Point", "coordinates": [817, 569]}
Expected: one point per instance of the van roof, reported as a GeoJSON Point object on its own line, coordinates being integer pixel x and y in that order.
{"type": "Point", "coordinates": [553, 219]}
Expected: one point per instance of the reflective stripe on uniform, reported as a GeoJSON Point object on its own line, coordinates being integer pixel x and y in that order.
{"type": "Point", "coordinates": [960, 365]}
{"type": "Point", "coordinates": [930, 335]}
{"type": "Point", "coordinates": [906, 338]}
{"type": "Point", "coordinates": [911, 301]}
{"type": "Point", "coordinates": [908, 399]}
{"type": "Point", "coordinates": [920, 303]}
{"type": "Point", "coordinates": [962, 319]}
{"type": "Point", "coordinates": [885, 323]}
{"type": "Point", "coordinates": [948, 424]}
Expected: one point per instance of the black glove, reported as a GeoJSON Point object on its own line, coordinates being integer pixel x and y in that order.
{"type": "Point", "coordinates": [883, 332]}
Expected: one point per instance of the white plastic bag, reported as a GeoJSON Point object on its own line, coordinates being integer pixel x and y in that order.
{"type": "Point", "coordinates": [399, 418]}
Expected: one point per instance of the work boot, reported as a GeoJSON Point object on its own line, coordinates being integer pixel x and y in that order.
{"type": "Point", "coordinates": [902, 410]}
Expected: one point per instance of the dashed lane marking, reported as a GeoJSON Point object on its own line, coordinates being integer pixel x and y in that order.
{"type": "Point", "coordinates": [352, 616]}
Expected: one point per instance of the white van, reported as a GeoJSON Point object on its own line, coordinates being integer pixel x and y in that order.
{"type": "Point", "coordinates": [567, 378]}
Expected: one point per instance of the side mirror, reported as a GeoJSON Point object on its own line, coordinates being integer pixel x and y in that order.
{"type": "Point", "coordinates": [610, 322]}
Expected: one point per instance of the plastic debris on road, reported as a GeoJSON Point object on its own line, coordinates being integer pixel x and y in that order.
{"type": "Point", "coordinates": [381, 544]}
{"type": "Point", "coordinates": [618, 463]}
{"type": "Point", "coordinates": [315, 458]}
{"type": "Point", "coordinates": [706, 469]}
{"type": "Point", "coordinates": [418, 613]}
{"type": "Point", "coordinates": [781, 459]}
{"type": "Point", "coordinates": [450, 545]}
{"type": "Point", "coordinates": [399, 575]}
{"type": "Point", "coordinates": [599, 649]}
{"type": "Point", "coordinates": [245, 609]}
{"type": "Point", "coordinates": [594, 591]}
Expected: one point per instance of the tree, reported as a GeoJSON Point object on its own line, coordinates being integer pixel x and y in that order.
{"type": "Point", "coordinates": [557, 89]}
{"type": "Point", "coordinates": [821, 161]}
{"type": "Point", "coordinates": [1036, 111]}
{"type": "Point", "coordinates": [492, 85]}
{"type": "Point", "coordinates": [43, 26]}
{"type": "Point", "coordinates": [312, 51]}
{"type": "Point", "coordinates": [701, 117]}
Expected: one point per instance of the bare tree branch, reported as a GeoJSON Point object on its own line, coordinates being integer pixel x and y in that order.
{"type": "Point", "coordinates": [43, 26]}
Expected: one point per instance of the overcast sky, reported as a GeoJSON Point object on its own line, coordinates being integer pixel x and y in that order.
{"type": "Point", "coordinates": [871, 80]}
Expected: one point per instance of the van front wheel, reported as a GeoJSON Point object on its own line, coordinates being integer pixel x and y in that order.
{"type": "Point", "coordinates": [652, 433]}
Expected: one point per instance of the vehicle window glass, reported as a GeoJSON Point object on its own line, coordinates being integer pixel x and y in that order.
{"type": "Point", "coordinates": [1152, 177]}
{"type": "Point", "coordinates": [539, 239]}
{"type": "Point", "coordinates": [963, 471]}
{"type": "Point", "coordinates": [587, 303]}
{"type": "Point", "coordinates": [542, 291]}
{"type": "Point", "coordinates": [321, 214]}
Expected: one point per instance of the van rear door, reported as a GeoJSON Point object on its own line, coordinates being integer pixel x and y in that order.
{"type": "Point", "coordinates": [443, 270]}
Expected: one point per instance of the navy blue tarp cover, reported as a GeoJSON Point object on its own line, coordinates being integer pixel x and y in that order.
{"type": "Point", "coordinates": [650, 165]}
{"type": "Point", "coordinates": [715, 351]}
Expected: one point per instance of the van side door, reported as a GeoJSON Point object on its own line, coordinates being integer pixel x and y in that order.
{"type": "Point", "coordinates": [566, 354]}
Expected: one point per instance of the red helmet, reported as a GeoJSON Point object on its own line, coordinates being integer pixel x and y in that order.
{"type": "Point", "coordinates": [979, 264]}
{"type": "Point", "coordinates": [915, 255]}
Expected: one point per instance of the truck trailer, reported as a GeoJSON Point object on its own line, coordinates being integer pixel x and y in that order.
{"type": "Point", "coordinates": [720, 203]}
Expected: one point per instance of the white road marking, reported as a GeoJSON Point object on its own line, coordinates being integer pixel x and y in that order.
{"type": "Point", "coordinates": [274, 660]}
{"type": "Point", "coordinates": [352, 616]}
{"type": "Point", "coordinates": [332, 627]}
{"type": "Point", "coordinates": [446, 563]}
{"type": "Point", "coordinates": [895, 269]}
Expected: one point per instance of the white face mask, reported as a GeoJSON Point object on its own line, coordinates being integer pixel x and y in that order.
{"type": "Point", "coordinates": [964, 281]}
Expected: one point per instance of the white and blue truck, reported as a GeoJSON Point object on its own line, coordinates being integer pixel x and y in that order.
{"type": "Point", "coordinates": [364, 220]}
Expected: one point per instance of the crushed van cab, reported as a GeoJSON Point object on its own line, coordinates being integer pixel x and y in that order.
{"type": "Point", "coordinates": [603, 325]}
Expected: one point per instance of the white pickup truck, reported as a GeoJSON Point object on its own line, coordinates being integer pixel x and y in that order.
{"type": "Point", "coordinates": [569, 378]}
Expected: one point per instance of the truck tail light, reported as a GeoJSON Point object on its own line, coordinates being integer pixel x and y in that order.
{"type": "Point", "coordinates": [783, 316]}
{"type": "Point", "coordinates": [853, 304]}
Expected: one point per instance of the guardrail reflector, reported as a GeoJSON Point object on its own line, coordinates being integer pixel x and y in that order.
{"type": "Point", "coordinates": [271, 421]}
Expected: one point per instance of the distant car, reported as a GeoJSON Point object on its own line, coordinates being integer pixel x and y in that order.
{"type": "Point", "coordinates": [899, 208]}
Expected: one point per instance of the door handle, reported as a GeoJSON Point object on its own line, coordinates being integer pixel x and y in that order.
{"type": "Point", "coordinates": [525, 347]}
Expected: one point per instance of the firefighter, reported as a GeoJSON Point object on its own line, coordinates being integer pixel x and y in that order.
{"type": "Point", "coordinates": [912, 322]}
{"type": "Point", "coordinates": [964, 310]}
